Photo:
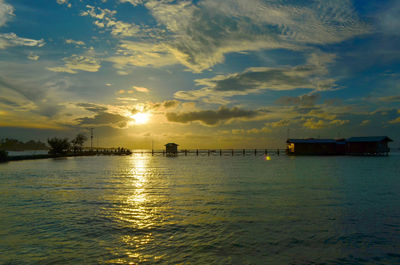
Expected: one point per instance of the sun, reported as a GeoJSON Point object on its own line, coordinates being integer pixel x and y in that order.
{"type": "Point", "coordinates": [141, 117]}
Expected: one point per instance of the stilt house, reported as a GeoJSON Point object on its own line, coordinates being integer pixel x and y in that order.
{"type": "Point", "coordinates": [376, 145]}
{"type": "Point", "coordinates": [171, 148]}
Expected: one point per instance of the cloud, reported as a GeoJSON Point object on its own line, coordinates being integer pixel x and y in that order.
{"type": "Point", "coordinates": [6, 12]}
{"type": "Point", "coordinates": [170, 103]}
{"type": "Point", "coordinates": [8, 102]}
{"type": "Point", "coordinates": [11, 39]}
{"type": "Point", "coordinates": [104, 119]}
{"type": "Point", "coordinates": [397, 120]}
{"type": "Point", "coordinates": [304, 100]}
{"type": "Point", "coordinates": [64, 2]}
{"type": "Point", "coordinates": [141, 89]}
{"type": "Point", "coordinates": [212, 117]}
{"type": "Point", "coordinates": [92, 107]}
{"type": "Point", "coordinates": [105, 19]}
{"type": "Point", "coordinates": [87, 62]}
{"type": "Point", "coordinates": [256, 79]}
{"type": "Point", "coordinates": [315, 124]}
{"type": "Point", "coordinates": [33, 56]}
{"type": "Point", "coordinates": [365, 122]}
{"type": "Point", "coordinates": [388, 19]}
{"type": "Point", "coordinates": [277, 124]}
{"type": "Point", "coordinates": [390, 99]}
{"type": "Point", "coordinates": [133, 2]}
{"type": "Point", "coordinates": [203, 32]}
{"type": "Point", "coordinates": [142, 54]}
{"type": "Point", "coordinates": [78, 43]}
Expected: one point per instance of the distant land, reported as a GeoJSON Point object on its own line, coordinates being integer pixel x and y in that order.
{"type": "Point", "coordinates": [16, 145]}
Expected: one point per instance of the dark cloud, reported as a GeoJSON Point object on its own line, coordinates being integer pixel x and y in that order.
{"type": "Point", "coordinates": [170, 103]}
{"type": "Point", "coordinates": [8, 102]}
{"type": "Point", "coordinates": [276, 79]}
{"type": "Point", "coordinates": [104, 118]}
{"type": "Point", "coordinates": [257, 79]}
{"type": "Point", "coordinates": [304, 100]}
{"type": "Point", "coordinates": [28, 92]}
{"type": "Point", "coordinates": [49, 109]}
{"type": "Point", "coordinates": [92, 107]}
{"type": "Point", "coordinates": [212, 117]}
{"type": "Point", "coordinates": [390, 99]}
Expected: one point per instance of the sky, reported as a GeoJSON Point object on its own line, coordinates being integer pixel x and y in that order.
{"type": "Point", "coordinates": [201, 73]}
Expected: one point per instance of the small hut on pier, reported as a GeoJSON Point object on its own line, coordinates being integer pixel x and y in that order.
{"type": "Point", "coordinates": [376, 145]}
{"type": "Point", "coordinates": [171, 148]}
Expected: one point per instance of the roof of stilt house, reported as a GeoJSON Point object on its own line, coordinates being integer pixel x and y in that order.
{"type": "Point", "coordinates": [368, 139]}
{"type": "Point", "coordinates": [172, 144]}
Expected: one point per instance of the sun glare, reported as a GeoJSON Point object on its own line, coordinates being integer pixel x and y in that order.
{"type": "Point", "coordinates": [141, 118]}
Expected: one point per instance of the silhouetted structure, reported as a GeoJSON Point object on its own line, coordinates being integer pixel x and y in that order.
{"type": "Point", "coordinates": [311, 147]}
{"type": "Point", "coordinates": [377, 145]}
{"type": "Point", "coordinates": [171, 148]}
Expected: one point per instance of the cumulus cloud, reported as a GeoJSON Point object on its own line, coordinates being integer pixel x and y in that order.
{"type": "Point", "coordinates": [170, 103]}
{"type": "Point", "coordinates": [133, 2]}
{"type": "Point", "coordinates": [257, 79]}
{"type": "Point", "coordinates": [64, 2]}
{"type": "Point", "coordinates": [277, 124]}
{"type": "Point", "coordinates": [86, 62]}
{"type": "Point", "coordinates": [203, 32]}
{"type": "Point", "coordinates": [11, 39]}
{"type": "Point", "coordinates": [92, 107]}
{"type": "Point", "coordinates": [104, 119]}
{"type": "Point", "coordinates": [142, 54]}
{"type": "Point", "coordinates": [33, 57]}
{"type": "Point", "coordinates": [78, 43]}
{"type": "Point", "coordinates": [212, 117]}
{"type": "Point", "coordinates": [303, 100]}
{"type": "Point", "coordinates": [6, 12]}
{"type": "Point", "coordinates": [390, 99]}
{"type": "Point", "coordinates": [105, 19]}
{"type": "Point", "coordinates": [397, 120]}
{"type": "Point", "coordinates": [141, 89]}
{"type": "Point", "coordinates": [316, 124]}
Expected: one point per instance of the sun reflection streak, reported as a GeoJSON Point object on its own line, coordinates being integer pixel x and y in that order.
{"type": "Point", "coordinates": [134, 210]}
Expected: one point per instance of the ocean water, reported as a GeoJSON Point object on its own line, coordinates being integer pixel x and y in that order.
{"type": "Point", "coordinates": [141, 209]}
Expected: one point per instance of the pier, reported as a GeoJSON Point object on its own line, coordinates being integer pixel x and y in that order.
{"type": "Point", "coordinates": [213, 152]}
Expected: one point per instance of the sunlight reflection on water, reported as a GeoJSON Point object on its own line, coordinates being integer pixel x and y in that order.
{"type": "Point", "coordinates": [141, 209]}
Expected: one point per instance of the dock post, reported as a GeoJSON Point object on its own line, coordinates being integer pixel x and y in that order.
{"type": "Point", "coordinates": [220, 152]}
{"type": "Point", "coordinates": [197, 152]}
{"type": "Point", "coordinates": [255, 152]}
{"type": "Point", "coordinates": [244, 152]}
{"type": "Point", "coordinates": [277, 151]}
{"type": "Point", "coordinates": [152, 152]}
{"type": "Point", "coordinates": [266, 152]}
{"type": "Point", "coordinates": [208, 152]}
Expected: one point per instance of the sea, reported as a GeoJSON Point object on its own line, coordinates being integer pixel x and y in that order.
{"type": "Point", "coordinates": [144, 209]}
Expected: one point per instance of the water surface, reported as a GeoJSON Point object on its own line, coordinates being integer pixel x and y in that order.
{"type": "Point", "coordinates": [141, 209]}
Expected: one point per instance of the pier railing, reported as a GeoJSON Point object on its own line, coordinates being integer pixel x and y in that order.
{"type": "Point", "coordinates": [214, 152]}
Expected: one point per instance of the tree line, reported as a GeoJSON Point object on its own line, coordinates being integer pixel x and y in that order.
{"type": "Point", "coordinates": [60, 146]}
{"type": "Point", "coordinates": [10, 144]}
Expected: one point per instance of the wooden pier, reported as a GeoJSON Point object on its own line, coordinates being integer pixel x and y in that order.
{"type": "Point", "coordinates": [214, 152]}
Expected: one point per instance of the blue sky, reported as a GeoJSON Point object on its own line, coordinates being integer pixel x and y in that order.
{"type": "Point", "coordinates": [201, 73]}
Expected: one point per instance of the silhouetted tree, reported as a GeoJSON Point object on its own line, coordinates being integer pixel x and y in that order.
{"type": "Point", "coordinates": [16, 145]}
{"type": "Point", "coordinates": [77, 142]}
{"type": "Point", "coordinates": [3, 156]}
{"type": "Point", "coordinates": [58, 146]}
